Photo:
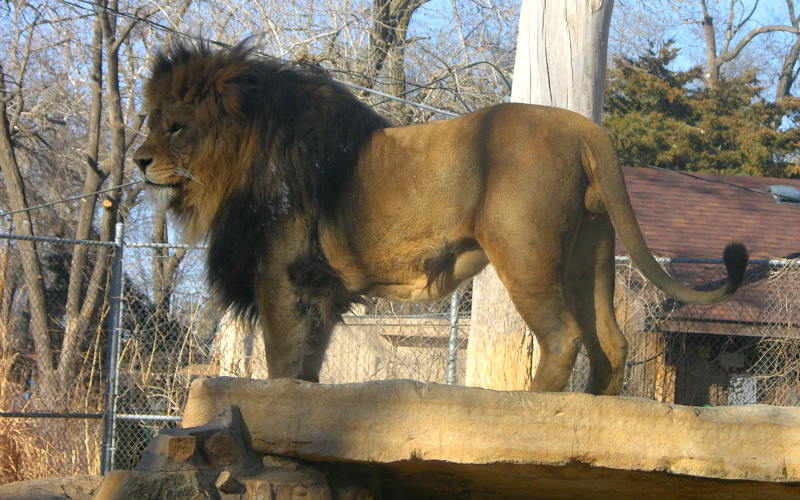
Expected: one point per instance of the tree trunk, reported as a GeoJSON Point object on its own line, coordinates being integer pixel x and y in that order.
{"type": "Point", "coordinates": [561, 55]}
{"type": "Point", "coordinates": [501, 349]}
{"type": "Point", "coordinates": [788, 72]}
{"type": "Point", "coordinates": [387, 38]}
{"type": "Point", "coordinates": [387, 42]}
{"type": "Point", "coordinates": [164, 266]}
{"type": "Point", "coordinates": [712, 63]}
{"type": "Point", "coordinates": [561, 61]}
{"type": "Point", "coordinates": [78, 316]}
{"type": "Point", "coordinates": [28, 254]}
{"type": "Point", "coordinates": [93, 176]}
{"type": "Point", "coordinates": [77, 324]}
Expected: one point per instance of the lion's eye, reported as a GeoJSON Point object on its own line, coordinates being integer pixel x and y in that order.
{"type": "Point", "coordinates": [175, 129]}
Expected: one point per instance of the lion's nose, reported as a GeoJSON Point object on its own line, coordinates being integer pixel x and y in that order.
{"type": "Point", "coordinates": [142, 159]}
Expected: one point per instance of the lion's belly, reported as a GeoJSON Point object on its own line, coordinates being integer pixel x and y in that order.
{"type": "Point", "coordinates": [418, 288]}
{"type": "Point", "coordinates": [409, 270]}
{"type": "Point", "coordinates": [412, 210]}
{"type": "Point", "coordinates": [404, 293]}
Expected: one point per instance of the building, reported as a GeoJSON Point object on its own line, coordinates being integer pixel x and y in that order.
{"type": "Point", "coordinates": [737, 352]}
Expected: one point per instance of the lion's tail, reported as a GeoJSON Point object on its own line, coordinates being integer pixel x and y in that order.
{"type": "Point", "coordinates": [607, 192]}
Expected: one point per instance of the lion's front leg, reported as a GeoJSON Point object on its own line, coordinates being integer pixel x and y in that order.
{"type": "Point", "coordinates": [295, 334]}
{"type": "Point", "coordinates": [294, 340]}
{"type": "Point", "coordinates": [300, 300]}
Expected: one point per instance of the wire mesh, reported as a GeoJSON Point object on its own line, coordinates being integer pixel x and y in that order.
{"type": "Point", "coordinates": [167, 335]}
{"type": "Point", "coordinates": [51, 358]}
{"type": "Point", "coordinates": [743, 351]}
{"type": "Point", "coordinates": [377, 341]}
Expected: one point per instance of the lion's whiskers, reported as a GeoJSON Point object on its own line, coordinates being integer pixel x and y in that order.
{"type": "Point", "coordinates": [182, 172]}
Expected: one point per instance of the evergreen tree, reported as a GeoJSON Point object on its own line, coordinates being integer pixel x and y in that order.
{"type": "Point", "coordinates": [667, 118]}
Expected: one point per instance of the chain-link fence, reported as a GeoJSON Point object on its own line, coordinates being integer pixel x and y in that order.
{"type": "Point", "coordinates": [138, 355]}
{"type": "Point", "coordinates": [51, 383]}
{"type": "Point", "coordinates": [743, 351]}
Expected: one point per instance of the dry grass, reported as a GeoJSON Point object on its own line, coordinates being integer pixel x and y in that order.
{"type": "Point", "coordinates": [42, 448]}
{"type": "Point", "coordinates": [33, 448]}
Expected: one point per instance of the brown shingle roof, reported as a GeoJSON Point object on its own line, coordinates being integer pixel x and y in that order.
{"type": "Point", "coordinates": [685, 217]}
{"type": "Point", "coordinates": [757, 302]}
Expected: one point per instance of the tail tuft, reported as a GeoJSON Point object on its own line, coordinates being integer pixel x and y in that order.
{"type": "Point", "coordinates": [735, 257]}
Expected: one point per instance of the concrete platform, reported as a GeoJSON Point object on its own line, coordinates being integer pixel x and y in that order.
{"type": "Point", "coordinates": [436, 441]}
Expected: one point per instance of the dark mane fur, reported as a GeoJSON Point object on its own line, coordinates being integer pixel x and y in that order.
{"type": "Point", "coordinates": [303, 133]}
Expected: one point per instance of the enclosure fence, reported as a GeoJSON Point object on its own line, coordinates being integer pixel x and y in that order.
{"type": "Point", "coordinates": [155, 328]}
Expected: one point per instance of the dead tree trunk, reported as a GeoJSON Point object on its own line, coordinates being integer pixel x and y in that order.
{"type": "Point", "coordinates": [561, 61]}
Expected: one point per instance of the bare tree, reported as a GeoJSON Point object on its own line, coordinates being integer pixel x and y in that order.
{"type": "Point", "coordinates": [731, 32]}
{"type": "Point", "coordinates": [735, 36]}
{"type": "Point", "coordinates": [789, 67]}
{"type": "Point", "coordinates": [58, 358]}
{"type": "Point", "coordinates": [18, 202]}
{"type": "Point", "coordinates": [388, 39]}
{"type": "Point", "coordinates": [725, 37]}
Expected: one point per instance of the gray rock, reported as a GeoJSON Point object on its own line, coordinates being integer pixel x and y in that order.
{"type": "Point", "coordinates": [58, 488]}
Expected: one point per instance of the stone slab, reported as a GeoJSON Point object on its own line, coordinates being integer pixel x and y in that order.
{"type": "Point", "coordinates": [413, 429]}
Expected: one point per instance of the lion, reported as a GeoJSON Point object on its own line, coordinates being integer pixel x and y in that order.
{"type": "Point", "coordinates": [308, 200]}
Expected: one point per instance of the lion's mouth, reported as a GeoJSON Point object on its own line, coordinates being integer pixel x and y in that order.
{"type": "Point", "coordinates": [157, 185]}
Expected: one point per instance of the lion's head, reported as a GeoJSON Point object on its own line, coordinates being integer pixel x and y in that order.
{"type": "Point", "coordinates": [239, 142]}
{"type": "Point", "coordinates": [201, 139]}
{"type": "Point", "coordinates": [221, 119]}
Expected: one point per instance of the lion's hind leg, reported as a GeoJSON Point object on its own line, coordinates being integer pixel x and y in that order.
{"type": "Point", "coordinates": [527, 238]}
{"type": "Point", "coordinates": [535, 285]}
{"type": "Point", "coordinates": [590, 286]}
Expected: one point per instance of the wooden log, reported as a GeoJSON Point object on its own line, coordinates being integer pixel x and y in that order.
{"type": "Point", "coordinates": [393, 421]}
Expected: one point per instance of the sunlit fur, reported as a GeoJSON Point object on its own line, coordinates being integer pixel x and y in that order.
{"type": "Point", "coordinates": [307, 199]}
{"type": "Point", "coordinates": [264, 140]}
{"type": "Point", "coordinates": [209, 85]}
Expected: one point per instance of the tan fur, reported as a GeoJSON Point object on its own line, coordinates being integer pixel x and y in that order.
{"type": "Point", "coordinates": [523, 187]}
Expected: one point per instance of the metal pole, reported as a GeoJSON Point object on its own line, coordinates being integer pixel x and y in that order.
{"type": "Point", "coordinates": [452, 344]}
{"type": "Point", "coordinates": [113, 327]}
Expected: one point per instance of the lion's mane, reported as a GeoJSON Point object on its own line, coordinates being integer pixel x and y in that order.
{"type": "Point", "coordinates": [283, 143]}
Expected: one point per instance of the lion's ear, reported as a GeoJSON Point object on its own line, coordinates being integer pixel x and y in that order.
{"type": "Point", "coordinates": [225, 93]}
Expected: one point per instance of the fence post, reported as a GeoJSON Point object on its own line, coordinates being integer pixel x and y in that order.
{"type": "Point", "coordinates": [113, 328]}
{"type": "Point", "coordinates": [452, 344]}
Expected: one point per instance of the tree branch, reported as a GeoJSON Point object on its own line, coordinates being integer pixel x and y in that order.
{"type": "Point", "coordinates": [730, 55]}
